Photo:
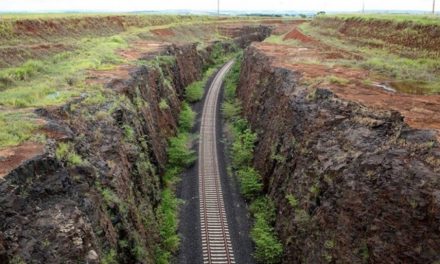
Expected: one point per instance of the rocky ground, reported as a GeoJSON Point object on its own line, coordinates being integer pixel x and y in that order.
{"type": "Point", "coordinates": [353, 170]}
{"type": "Point", "coordinates": [94, 198]}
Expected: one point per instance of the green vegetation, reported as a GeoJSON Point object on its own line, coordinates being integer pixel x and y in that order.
{"type": "Point", "coordinates": [163, 104]}
{"type": "Point", "coordinates": [57, 79]}
{"type": "Point", "coordinates": [415, 70]}
{"type": "Point", "coordinates": [16, 128]}
{"type": "Point", "coordinates": [268, 248]}
{"type": "Point", "coordinates": [179, 152]}
{"type": "Point", "coordinates": [180, 156]}
{"type": "Point", "coordinates": [63, 75]}
{"type": "Point", "coordinates": [109, 257]}
{"type": "Point", "coordinates": [417, 19]}
{"type": "Point", "coordinates": [194, 92]}
{"type": "Point", "coordinates": [187, 117]}
{"type": "Point", "coordinates": [66, 152]}
{"type": "Point", "coordinates": [279, 39]}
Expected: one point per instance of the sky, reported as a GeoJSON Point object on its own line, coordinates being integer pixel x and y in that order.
{"type": "Point", "coordinates": [205, 5]}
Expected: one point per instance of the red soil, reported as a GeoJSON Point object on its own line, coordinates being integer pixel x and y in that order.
{"type": "Point", "coordinates": [12, 157]}
{"type": "Point", "coordinates": [298, 35]}
{"type": "Point", "coordinates": [419, 111]}
{"type": "Point", "coordinates": [163, 32]}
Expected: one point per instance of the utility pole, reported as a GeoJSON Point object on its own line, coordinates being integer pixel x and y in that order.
{"type": "Point", "coordinates": [433, 7]}
{"type": "Point", "coordinates": [363, 6]}
{"type": "Point", "coordinates": [218, 8]}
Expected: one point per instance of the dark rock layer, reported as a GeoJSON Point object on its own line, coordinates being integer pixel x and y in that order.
{"type": "Point", "coordinates": [53, 211]}
{"type": "Point", "coordinates": [351, 184]}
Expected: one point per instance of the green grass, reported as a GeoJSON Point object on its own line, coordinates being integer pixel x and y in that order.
{"type": "Point", "coordinates": [419, 67]}
{"type": "Point", "coordinates": [279, 39]}
{"type": "Point", "coordinates": [16, 128]}
{"type": "Point", "coordinates": [63, 75]}
{"type": "Point", "coordinates": [418, 19]}
{"type": "Point", "coordinates": [66, 152]}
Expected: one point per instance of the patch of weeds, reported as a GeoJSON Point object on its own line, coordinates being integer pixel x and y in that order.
{"type": "Point", "coordinates": [338, 80]}
{"type": "Point", "coordinates": [66, 152]}
{"type": "Point", "coordinates": [129, 133]}
{"type": "Point", "coordinates": [16, 128]}
{"type": "Point", "coordinates": [292, 200]}
{"type": "Point", "coordinates": [97, 98]}
{"type": "Point", "coordinates": [110, 257]}
{"type": "Point", "coordinates": [17, 260]}
{"type": "Point", "coordinates": [163, 104]}
{"type": "Point", "coordinates": [26, 70]}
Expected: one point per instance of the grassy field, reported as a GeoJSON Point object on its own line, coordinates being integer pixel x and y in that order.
{"type": "Point", "coordinates": [57, 79]}
{"type": "Point", "coordinates": [413, 68]}
{"type": "Point", "coordinates": [418, 19]}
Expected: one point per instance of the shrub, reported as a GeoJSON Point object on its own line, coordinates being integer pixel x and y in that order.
{"type": "Point", "coordinates": [186, 118]}
{"type": "Point", "coordinates": [167, 213]}
{"type": "Point", "coordinates": [242, 148]}
{"type": "Point", "coordinates": [179, 152]}
{"type": "Point", "coordinates": [194, 92]}
{"type": "Point", "coordinates": [250, 182]}
{"type": "Point", "coordinates": [231, 110]}
{"type": "Point", "coordinates": [110, 257]}
{"type": "Point", "coordinates": [268, 249]}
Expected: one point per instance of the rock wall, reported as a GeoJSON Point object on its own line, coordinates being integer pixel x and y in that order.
{"type": "Point", "coordinates": [95, 201]}
{"type": "Point", "coordinates": [351, 184]}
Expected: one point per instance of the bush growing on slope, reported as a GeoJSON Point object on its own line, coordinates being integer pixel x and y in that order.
{"type": "Point", "coordinates": [186, 118]}
{"type": "Point", "coordinates": [268, 248]}
{"type": "Point", "coordinates": [179, 152]}
{"type": "Point", "coordinates": [194, 92]}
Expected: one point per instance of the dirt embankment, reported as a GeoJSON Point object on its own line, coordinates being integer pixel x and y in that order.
{"type": "Point", "coordinates": [97, 199]}
{"type": "Point", "coordinates": [351, 184]}
{"type": "Point", "coordinates": [24, 39]}
{"type": "Point", "coordinates": [407, 34]}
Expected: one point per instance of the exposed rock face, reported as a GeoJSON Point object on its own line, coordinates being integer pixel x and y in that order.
{"type": "Point", "coordinates": [351, 184]}
{"type": "Point", "coordinates": [54, 211]}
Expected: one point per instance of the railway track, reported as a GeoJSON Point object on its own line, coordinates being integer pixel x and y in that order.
{"type": "Point", "coordinates": [216, 240]}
